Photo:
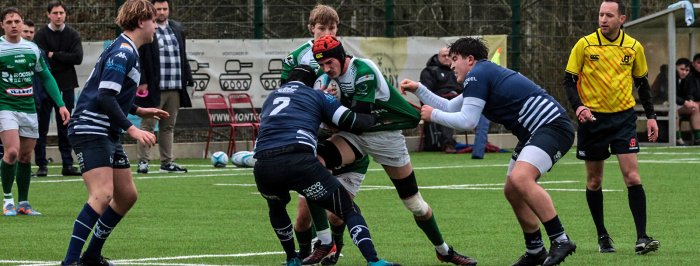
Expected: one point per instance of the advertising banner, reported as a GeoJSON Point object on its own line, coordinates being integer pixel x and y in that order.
{"type": "Point", "coordinates": [255, 66]}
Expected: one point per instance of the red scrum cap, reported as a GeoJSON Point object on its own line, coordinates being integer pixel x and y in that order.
{"type": "Point", "coordinates": [329, 47]}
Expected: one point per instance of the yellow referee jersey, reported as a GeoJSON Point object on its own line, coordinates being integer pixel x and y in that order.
{"type": "Point", "coordinates": [605, 70]}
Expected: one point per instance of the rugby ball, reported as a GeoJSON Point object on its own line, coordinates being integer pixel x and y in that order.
{"type": "Point", "coordinates": [243, 159]}
{"type": "Point", "coordinates": [328, 85]}
{"type": "Point", "coordinates": [219, 159]}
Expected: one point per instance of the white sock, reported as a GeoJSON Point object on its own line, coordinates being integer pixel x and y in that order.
{"type": "Point", "coordinates": [561, 238]}
{"type": "Point", "coordinates": [443, 249]}
{"type": "Point", "coordinates": [324, 236]}
{"type": "Point", "coordinates": [7, 200]}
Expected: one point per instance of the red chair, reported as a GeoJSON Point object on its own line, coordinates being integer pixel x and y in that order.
{"type": "Point", "coordinates": [219, 115]}
{"type": "Point", "coordinates": [243, 116]}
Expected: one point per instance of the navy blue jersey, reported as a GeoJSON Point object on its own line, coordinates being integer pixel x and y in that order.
{"type": "Point", "coordinates": [117, 69]}
{"type": "Point", "coordinates": [292, 115]}
{"type": "Point", "coordinates": [511, 99]}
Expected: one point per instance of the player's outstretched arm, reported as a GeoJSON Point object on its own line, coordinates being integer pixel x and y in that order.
{"type": "Point", "coordinates": [151, 113]}
{"type": "Point", "coordinates": [408, 85]}
{"type": "Point", "coordinates": [428, 97]}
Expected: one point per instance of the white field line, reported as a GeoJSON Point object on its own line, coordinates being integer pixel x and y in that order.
{"type": "Point", "coordinates": [202, 256]}
{"type": "Point", "coordinates": [138, 263]}
{"type": "Point", "coordinates": [248, 171]}
{"type": "Point", "coordinates": [696, 153]}
{"type": "Point", "coordinates": [145, 261]}
{"type": "Point", "coordinates": [492, 186]}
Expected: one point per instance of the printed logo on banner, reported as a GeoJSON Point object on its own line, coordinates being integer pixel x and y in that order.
{"type": "Point", "coordinates": [234, 79]}
{"type": "Point", "coordinates": [386, 65]}
{"type": "Point", "coordinates": [271, 80]}
{"type": "Point", "coordinates": [201, 80]}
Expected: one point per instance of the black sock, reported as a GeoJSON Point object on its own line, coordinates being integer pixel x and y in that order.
{"type": "Point", "coordinates": [103, 228]}
{"type": "Point", "coordinates": [533, 241]}
{"type": "Point", "coordinates": [337, 232]}
{"type": "Point", "coordinates": [595, 205]}
{"type": "Point", "coordinates": [81, 231]}
{"type": "Point", "coordinates": [638, 205]}
{"type": "Point", "coordinates": [554, 228]}
{"type": "Point", "coordinates": [304, 240]}
{"type": "Point", "coordinates": [361, 237]}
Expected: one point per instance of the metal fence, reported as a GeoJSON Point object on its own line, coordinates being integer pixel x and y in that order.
{"type": "Point", "coordinates": [541, 32]}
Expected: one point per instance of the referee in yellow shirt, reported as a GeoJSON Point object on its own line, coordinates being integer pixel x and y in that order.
{"type": "Point", "coordinates": [602, 70]}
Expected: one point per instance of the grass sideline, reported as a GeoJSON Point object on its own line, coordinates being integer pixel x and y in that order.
{"type": "Point", "coordinates": [213, 216]}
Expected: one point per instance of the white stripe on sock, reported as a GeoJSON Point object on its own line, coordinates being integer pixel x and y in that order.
{"type": "Point", "coordinates": [78, 221]}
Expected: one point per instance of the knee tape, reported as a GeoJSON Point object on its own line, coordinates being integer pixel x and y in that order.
{"type": "Point", "coordinates": [330, 154]}
{"type": "Point", "coordinates": [407, 186]}
{"type": "Point", "coordinates": [416, 205]}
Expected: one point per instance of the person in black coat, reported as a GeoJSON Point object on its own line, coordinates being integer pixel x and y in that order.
{"type": "Point", "coordinates": [439, 78]}
{"type": "Point", "coordinates": [167, 92]}
{"type": "Point", "coordinates": [64, 49]}
{"type": "Point", "coordinates": [687, 98]}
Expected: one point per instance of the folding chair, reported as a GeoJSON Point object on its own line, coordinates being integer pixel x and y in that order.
{"type": "Point", "coordinates": [219, 115]}
{"type": "Point", "coordinates": [243, 116]}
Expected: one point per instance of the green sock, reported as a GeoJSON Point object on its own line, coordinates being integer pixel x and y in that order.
{"type": "Point", "coordinates": [318, 215]}
{"type": "Point", "coordinates": [7, 175]}
{"type": "Point", "coordinates": [678, 135]}
{"type": "Point", "coordinates": [431, 230]}
{"type": "Point", "coordinates": [24, 175]}
{"type": "Point", "coordinates": [697, 134]}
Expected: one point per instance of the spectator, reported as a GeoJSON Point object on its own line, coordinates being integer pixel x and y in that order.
{"type": "Point", "coordinates": [28, 30]}
{"type": "Point", "coordinates": [685, 86]}
{"type": "Point", "coordinates": [63, 47]}
{"type": "Point", "coordinates": [439, 78]}
{"type": "Point", "coordinates": [166, 75]}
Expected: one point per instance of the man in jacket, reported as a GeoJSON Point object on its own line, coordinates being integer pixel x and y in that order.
{"type": "Point", "coordinates": [63, 47]}
{"type": "Point", "coordinates": [164, 80]}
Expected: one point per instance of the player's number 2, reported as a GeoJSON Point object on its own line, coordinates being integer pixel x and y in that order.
{"type": "Point", "coordinates": [282, 101]}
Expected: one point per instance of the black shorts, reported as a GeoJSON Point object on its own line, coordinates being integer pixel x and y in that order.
{"type": "Point", "coordinates": [277, 174]}
{"type": "Point", "coordinates": [611, 133]}
{"type": "Point", "coordinates": [94, 151]}
{"type": "Point", "coordinates": [554, 138]}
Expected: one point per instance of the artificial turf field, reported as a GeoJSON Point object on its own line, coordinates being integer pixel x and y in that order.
{"type": "Point", "coordinates": [214, 216]}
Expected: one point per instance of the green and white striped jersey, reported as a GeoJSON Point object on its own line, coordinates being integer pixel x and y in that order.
{"type": "Point", "coordinates": [18, 63]}
{"type": "Point", "coordinates": [363, 81]}
{"type": "Point", "coordinates": [301, 56]}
